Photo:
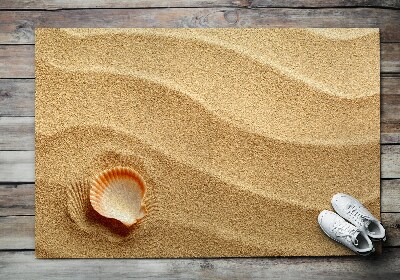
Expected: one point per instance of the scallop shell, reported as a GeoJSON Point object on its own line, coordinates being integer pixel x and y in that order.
{"type": "Point", "coordinates": [118, 193]}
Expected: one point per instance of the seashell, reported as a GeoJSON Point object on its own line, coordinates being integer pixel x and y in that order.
{"type": "Point", "coordinates": [118, 193]}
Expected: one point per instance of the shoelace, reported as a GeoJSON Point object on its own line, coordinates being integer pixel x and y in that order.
{"type": "Point", "coordinates": [363, 219]}
{"type": "Point", "coordinates": [346, 231]}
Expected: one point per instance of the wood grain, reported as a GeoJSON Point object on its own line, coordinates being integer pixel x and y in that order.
{"type": "Point", "coordinates": [17, 199]}
{"type": "Point", "coordinates": [17, 166]}
{"type": "Point", "coordinates": [390, 161]}
{"type": "Point", "coordinates": [390, 133]}
{"type": "Point", "coordinates": [390, 84]}
{"type": "Point", "coordinates": [18, 232]}
{"type": "Point", "coordinates": [17, 133]}
{"type": "Point", "coordinates": [90, 4]}
{"type": "Point", "coordinates": [17, 61]}
{"type": "Point", "coordinates": [391, 222]}
{"type": "Point", "coordinates": [390, 58]}
{"type": "Point", "coordinates": [390, 195]}
{"type": "Point", "coordinates": [390, 110]}
{"type": "Point", "coordinates": [17, 27]}
{"type": "Point", "coordinates": [324, 3]}
{"type": "Point", "coordinates": [17, 97]}
{"type": "Point", "coordinates": [23, 265]}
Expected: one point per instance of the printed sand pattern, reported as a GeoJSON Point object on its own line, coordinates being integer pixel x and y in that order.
{"type": "Point", "coordinates": [241, 135]}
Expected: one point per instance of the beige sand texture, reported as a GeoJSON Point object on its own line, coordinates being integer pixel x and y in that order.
{"type": "Point", "coordinates": [241, 135]}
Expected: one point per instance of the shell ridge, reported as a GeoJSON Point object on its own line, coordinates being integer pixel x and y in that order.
{"type": "Point", "coordinates": [113, 193]}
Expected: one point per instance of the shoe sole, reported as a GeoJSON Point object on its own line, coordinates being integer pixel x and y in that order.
{"type": "Point", "coordinates": [360, 254]}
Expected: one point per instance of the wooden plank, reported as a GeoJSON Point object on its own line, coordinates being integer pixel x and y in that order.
{"type": "Point", "coordinates": [390, 58]}
{"type": "Point", "coordinates": [390, 133]}
{"type": "Point", "coordinates": [17, 97]}
{"type": "Point", "coordinates": [90, 4]}
{"type": "Point", "coordinates": [390, 85]}
{"type": "Point", "coordinates": [391, 222]}
{"type": "Point", "coordinates": [17, 200]}
{"type": "Point", "coordinates": [17, 61]}
{"type": "Point", "coordinates": [104, 4]}
{"type": "Point", "coordinates": [17, 232]}
{"type": "Point", "coordinates": [325, 4]}
{"type": "Point", "coordinates": [17, 166]}
{"type": "Point", "coordinates": [390, 99]}
{"type": "Point", "coordinates": [23, 265]}
{"type": "Point", "coordinates": [390, 161]}
{"type": "Point", "coordinates": [16, 27]}
{"type": "Point", "coordinates": [17, 133]}
{"type": "Point", "coordinates": [390, 110]}
{"type": "Point", "coordinates": [390, 195]}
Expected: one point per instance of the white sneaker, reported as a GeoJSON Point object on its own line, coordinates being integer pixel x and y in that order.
{"type": "Point", "coordinates": [352, 210]}
{"type": "Point", "coordinates": [345, 233]}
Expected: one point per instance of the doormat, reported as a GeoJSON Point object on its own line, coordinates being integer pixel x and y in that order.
{"type": "Point", "coordinates": [170, 143]}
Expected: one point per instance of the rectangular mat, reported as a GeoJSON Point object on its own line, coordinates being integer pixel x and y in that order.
{"type": "Point", "coordinates": [217, 142]}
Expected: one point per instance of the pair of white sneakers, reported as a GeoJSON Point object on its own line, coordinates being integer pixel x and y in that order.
{"type": "Point", "coordinates": [354, 227]}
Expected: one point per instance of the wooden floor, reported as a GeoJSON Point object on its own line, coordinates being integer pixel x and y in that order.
{"type": "Point", "coordinates": [18, 18]}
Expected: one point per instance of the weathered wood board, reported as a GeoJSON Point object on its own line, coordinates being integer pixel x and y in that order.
{"type": "Point", "coordinates": [18, 18]}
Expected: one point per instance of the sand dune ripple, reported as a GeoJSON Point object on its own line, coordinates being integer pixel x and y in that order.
{"type": "Point", "coordinates": [349, 123]}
